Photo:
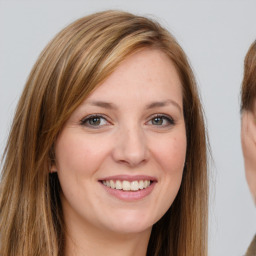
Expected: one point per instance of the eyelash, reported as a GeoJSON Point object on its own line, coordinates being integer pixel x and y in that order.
{"type": "Point", "coordinates": [85, 121]}
{"type": "Point", "coordinates": [169, 119]}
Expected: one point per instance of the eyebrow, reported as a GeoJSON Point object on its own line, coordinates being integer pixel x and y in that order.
{"type": "Point", "coordinates": [102, 104]}
{"type": "Point", "coordinates": [151, 105]}
{"type": "Point", "coordinates": [163, 104]}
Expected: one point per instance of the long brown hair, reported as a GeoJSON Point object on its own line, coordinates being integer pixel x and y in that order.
{"type": "Point", "coordinates": [73, 64]}
{"type": "Point", "coordinates": [248, 93]}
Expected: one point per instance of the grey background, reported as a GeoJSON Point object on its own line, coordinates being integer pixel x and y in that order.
{"type": "Point", "coordinates": [214, 34]}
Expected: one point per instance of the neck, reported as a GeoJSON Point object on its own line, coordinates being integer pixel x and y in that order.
{"type": "Point", "coordinates": [83, 242]}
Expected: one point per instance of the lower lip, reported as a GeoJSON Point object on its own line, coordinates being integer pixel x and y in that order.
{"type": "Point", "coordinates": [130, 195]}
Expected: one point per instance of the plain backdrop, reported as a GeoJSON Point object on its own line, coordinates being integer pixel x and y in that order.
{"type": "Point", "coordinates": [215, 35]}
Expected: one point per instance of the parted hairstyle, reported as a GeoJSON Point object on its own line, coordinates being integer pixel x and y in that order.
{"type": "Point", "coordinates": [71, 66]}
{"type": "Point", "coordinates": [248, 93]}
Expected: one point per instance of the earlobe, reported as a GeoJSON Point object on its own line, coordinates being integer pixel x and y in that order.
{"type": "Point", "coordinates": [52, 164]}
{"type": "Point", "coordinates": [53, 169]}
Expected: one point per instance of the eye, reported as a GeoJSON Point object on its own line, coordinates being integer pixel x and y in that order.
{"type": "Point", "coordinates": [161, 120]}
{"type": "Point", "coordinates": [94, 121]}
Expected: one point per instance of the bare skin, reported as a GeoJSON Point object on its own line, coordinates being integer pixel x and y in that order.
{"type": "Point", "coordinates": [129, 131]}
{"type": "Point", "coordinates": [248, 138]}
{"type": "Point", "coordinates": [103, 243]}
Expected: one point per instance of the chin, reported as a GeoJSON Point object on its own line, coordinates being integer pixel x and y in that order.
{"type": "Point", "coordinates": [131, 229]}
{"type": "Point", "coordinates": [130, 223]}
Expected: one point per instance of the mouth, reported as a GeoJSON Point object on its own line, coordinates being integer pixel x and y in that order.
{"type": "Point", "coordinates": [129, 188]}
{"type": "Point", "coordinates": [127, 185]}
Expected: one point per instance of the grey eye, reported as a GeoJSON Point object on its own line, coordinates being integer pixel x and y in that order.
{"type": "Point", "coordinates": [94, 121]}
{"type": "Point", "coordinates": [161, 120]}
{"type": "Point", "coordinates": [158, 120]}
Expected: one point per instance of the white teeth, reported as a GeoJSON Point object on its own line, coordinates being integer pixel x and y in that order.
{"type": "Point", "coordinates": [112, 184]}
{"type": "Point", "coordinates": [141, 184]}
{"type": "Point", "coordinates": [134, 185]}
{"type": "Point", "coordinates": [119, 184]}
{"type": "Point", "coordinates": [146, 183]}
{"type": "Point", "coordinates": [127, 185]}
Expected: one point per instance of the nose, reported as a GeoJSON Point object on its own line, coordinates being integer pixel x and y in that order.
{"type": "Point", "coordinates": [131, 147]}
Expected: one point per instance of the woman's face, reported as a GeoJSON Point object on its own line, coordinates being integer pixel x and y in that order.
{"type": "Point", "coordinates": [121, 154]}
{"type": "Point", "coordinates": [248, 137]}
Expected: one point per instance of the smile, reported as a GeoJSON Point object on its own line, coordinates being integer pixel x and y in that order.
{"type": "Point", "coordinates": [126, 185]}
{"type": "Point", "coordinates": [129, 187]}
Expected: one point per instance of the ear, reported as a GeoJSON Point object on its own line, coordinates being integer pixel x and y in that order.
{"type": "Point", "coordinates": [53, 168]}
{"type": "Point", "coordinates": [248, 139]}
{"type": "Point", "coordinates": [52, 162]}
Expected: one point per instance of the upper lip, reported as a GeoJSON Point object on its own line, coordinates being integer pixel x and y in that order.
{"type": "Point", "coordinates": [129, 177]}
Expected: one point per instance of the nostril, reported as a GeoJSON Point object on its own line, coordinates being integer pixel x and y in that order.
{"type": "Point", "coordinates": [131, 151]}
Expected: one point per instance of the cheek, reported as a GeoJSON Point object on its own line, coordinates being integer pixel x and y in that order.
{"type": "Point", "coordinates": [249, 150]}
{"type": "Point", "coordinates": [171, 154]}
{"type": "Point", "coordinates": [76, 155]}
{"type": "Point", "coordinates": [244, 141]}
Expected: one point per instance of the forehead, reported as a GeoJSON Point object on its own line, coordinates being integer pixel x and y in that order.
{"type": "Point", "coordinates": [148, 72]}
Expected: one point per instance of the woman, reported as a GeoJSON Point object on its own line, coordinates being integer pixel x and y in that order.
{"type": "Point", "coordinates": [248, 128]}
{"type": "Point", "coordinates": [107, 147]}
